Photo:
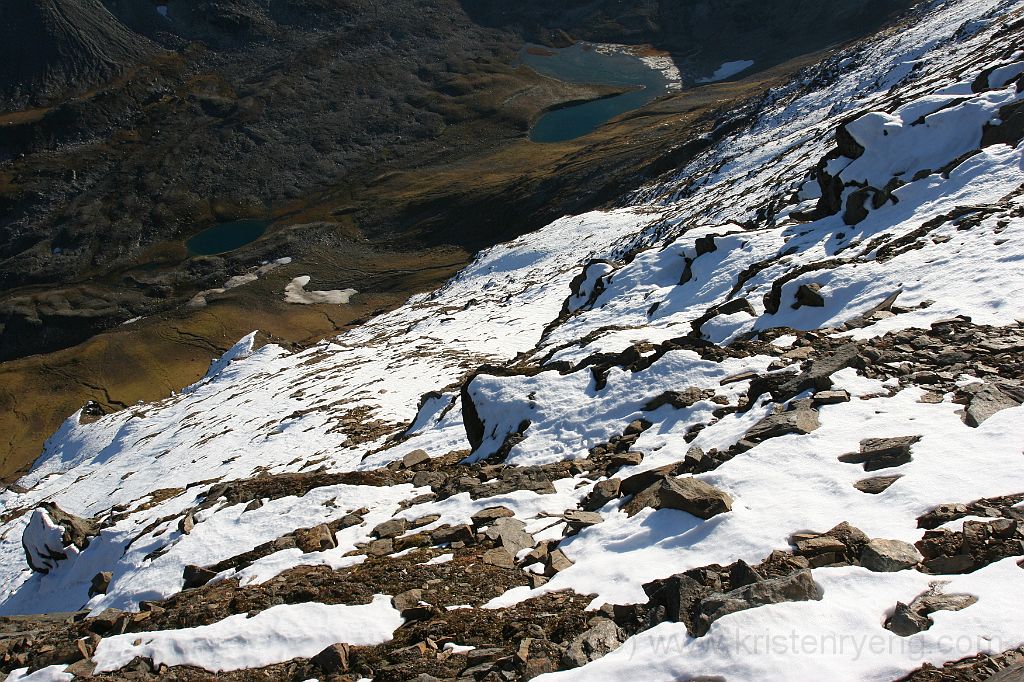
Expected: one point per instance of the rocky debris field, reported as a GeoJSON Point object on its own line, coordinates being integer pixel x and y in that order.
{"type": "Point", "coordinates": [761, 422]}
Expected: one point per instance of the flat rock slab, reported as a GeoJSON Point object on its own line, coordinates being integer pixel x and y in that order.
{"type": "Point", "coordinates": [882, 453]}
{"type": "Point", "coordinates": [876, 484]}
{"type": "Point", "coordinates": [985, 402]}
{"type": "Point", "coordinates": [685, 494]}
{"type": "Point", "coordinates": [800, 421]}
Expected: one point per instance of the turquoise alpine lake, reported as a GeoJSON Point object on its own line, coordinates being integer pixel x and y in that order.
{"type": "Point", "coordinates": [594, 65]}
{"type": "Point", "coordinates": [226, 237]}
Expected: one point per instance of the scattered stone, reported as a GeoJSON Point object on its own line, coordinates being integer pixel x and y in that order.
{"type": "Point", "coordinates": [948, 565]}
{"type": "Point", "coordinates": [882, 453]}
{"type": "Point", "coordinates": [603, 637]}
{"type": "Point", "coordinates": [807, 295]}
{"type": "Point", "coordinates": [332, 660]}
{"type": "Point", "coordinates": [686, 494]}
{"type": "Point", "coordinates": [253, 506]}
{"type": "Point", "coordinates": [425, 520]}
{"type": "Point", "coordinates": [391, 528]}
{"type": "Point", "coordinates": [413, 458]}
{"type": "Point", "coordinates": [886, 556]}
{"type": "Point", "coordinates": [100, 583]}
{"type": "Point", "coordinates": [315, 539]}
{"type": "Point", "coordinates": [877, 484]}
{"type": "Point", "coordinates": [636, 427]}
{"type": "Point", "coordinates": [196, 576]}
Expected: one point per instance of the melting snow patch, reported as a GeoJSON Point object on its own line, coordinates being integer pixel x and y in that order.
{"type": "Point", "coordinates": [278, 634]}
{"type": "Point", "coordinates": [727, 70]}
{"type": "Point", "coordinates": [296, 292]}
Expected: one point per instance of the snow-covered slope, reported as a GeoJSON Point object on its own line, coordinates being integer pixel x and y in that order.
{"type": "Point", "coordinates": [685, 384]}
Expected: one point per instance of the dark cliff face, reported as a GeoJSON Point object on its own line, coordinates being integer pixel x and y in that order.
{"type": "Point", "coordinates": [698, 31]}
{"type": "Point", "coordinates": [55, 47]}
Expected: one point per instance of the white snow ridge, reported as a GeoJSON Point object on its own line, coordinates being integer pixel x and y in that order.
{"type": "Point", "coordinates": [763, 422]}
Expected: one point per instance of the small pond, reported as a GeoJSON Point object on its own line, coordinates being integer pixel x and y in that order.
{"type": "Point", "coordinates": [226, 237]}
{"type": "Point", "coordinates": [602, 65]}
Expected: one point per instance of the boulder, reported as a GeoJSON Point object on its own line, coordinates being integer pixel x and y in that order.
{"type": "Point", "coordinates": [687, 494]}
{"type": "Point", "coordinates": [196, 576]}
{"type": "Point", "coordinates": [449, 534]}
{"type": "Point", "coordinates": [413, 458]}
{"type": "Point", "coordinates": [500, 557]}
{"type": "Point", "coordinates": [798, 586]}
{"type": "Point", "coordinates": [801, 421]}
{"type": "Point", "coordinates": [882, 453]}
{"type": "Point", "coordinates": [407, 600]}
{"type": "Point", "coordinates": [187, 523]}
{"type": "Point", "coordinates": [380, 547]}
{"type": "Point", "coordinates": [807, 295]}
{"type": "Point", "coordinates": [487, 516]}
{"type": "Point", "coordinates": [886, 556]}
{"type": "Point", "coordinates": [391, 528]}
{"type": "Point", "coordinates": [332, 660]}
{"type": "Point", "coordinates": [985, 402]}
{"type": "Point", "coordinates": [603, 637]}
{"type": "Point", "coordinates": [603, 493]}
{"type": "Point", "coordinates": [100, 583]}
{"type": "Point", "coordinates": [675, 599]}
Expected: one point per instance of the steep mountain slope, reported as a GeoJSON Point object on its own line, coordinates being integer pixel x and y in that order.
{"type": "Point", "coordinates": [53, 46]}
{"type": "Point", "coordinates": [761, 422]}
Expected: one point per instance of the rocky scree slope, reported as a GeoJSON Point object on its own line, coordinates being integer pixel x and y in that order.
{"type": "Point", "coordinates": [761, 422]}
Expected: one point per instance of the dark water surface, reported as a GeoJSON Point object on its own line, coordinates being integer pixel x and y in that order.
{"type": "Point", "coordinates": [582, 63]}
{"type": "Point", "coordinates": [226, 237]}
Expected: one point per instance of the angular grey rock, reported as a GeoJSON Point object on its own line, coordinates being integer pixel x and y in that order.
{"type": "Point", "coordinates": [380, 547]}
{"type": "Point", "coordinates": [798, 586]}
{"type": "Point", "coordinates": [500, 557]}
{"type": "Point", "coordinates": [603, 637]}
{"type": "Point", "coordinates": [882, 453]}
{"type": "Point", "coordinates": [675, 599]}
{"type": "Point", "coordinates": [800, 421]}
{"type": "Point", "coordinates": [391, 528]}
{"type": "Point", "coordinates": [985, 402]}
{"type": "Point", "coordinates": [886, 556]}
{"type": "Point", "coordinates": [877, 484]}
{"type": "Point", "coordinates": [509, 533]}
{"type": "Point", "coordinates": [687, 494]}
